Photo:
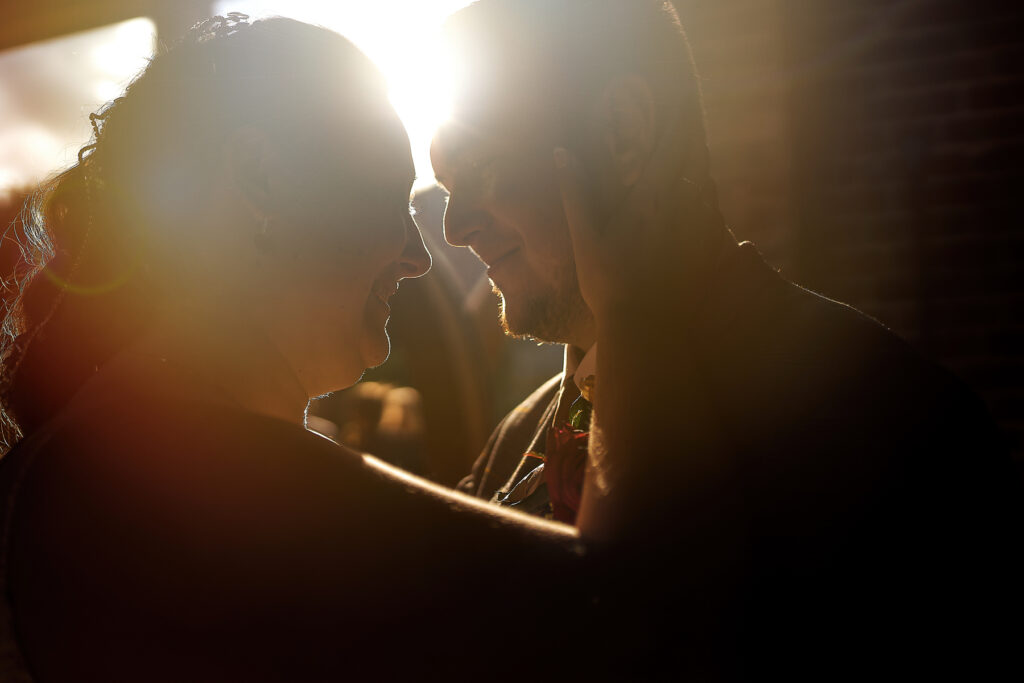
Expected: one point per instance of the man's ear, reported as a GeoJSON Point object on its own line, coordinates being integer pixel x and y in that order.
{"type": "Point", "coordinates": [249, 159]}
{"type": "Point", "coordinates": [627, 121]}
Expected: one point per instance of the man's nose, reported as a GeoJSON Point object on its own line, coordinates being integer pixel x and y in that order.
{"type": "Point", "coordinates": [462, 221]}
{"type": "Point", "coordinates": [415, 259]}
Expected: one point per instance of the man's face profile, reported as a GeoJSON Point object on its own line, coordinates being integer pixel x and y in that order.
{"type": "Point", "coordinates": [505, 205]}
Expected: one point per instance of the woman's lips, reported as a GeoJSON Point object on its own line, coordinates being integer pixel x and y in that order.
{"type": "Point", "coordinates": [383, 293]}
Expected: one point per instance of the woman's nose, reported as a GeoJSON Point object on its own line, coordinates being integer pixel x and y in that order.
{"type": "Point", "coordinates": [415, 259]}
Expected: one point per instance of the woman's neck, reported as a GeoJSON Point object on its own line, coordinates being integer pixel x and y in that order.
{"type": "Point", "coordinates": [232, 355]}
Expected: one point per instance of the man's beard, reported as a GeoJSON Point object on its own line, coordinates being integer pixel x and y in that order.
{"type": "Point", "coordinates": [552, 315]}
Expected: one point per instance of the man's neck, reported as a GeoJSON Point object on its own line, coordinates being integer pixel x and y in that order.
{"type": "Point", "coordinates": [584, 334]}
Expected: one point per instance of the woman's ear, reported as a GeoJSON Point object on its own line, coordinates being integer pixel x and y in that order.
{"type": "Point", "coordinates": [626, 118]}
{"type": "Point", "coordinates": [249, 160]}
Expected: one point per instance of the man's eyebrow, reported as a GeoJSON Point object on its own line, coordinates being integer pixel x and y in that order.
{"type": "Point", "coordinates": [452, 153]}
{"type": "Point", "coordinates": [454, 148]}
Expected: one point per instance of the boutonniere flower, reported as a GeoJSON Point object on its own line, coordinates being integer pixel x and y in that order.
{"type": "Point", "coordinates": [565, 461]}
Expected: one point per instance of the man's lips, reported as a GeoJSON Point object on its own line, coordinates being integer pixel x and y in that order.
{"type": "Point", "coordinates": [494, 263]}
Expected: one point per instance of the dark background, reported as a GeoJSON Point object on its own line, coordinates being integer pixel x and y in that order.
{"type": "Point", "coordinates": [873, 150]}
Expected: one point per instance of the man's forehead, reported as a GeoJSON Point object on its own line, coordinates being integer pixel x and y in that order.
{"type": "Point", "coordinates": [456, 143]}
{"type": "Point", "coordinates": [504, 126]}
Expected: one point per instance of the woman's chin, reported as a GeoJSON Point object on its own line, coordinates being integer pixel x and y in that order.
{"type": "Point", "coordinates": [376, 348]}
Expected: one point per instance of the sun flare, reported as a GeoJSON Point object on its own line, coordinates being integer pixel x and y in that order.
{"type": "Point", "coordinates": [93, 67]}
{"type": "Point", "coordinates": [401, 36]}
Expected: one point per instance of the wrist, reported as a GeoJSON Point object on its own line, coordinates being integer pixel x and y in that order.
{"type": "Point", "coordinates": [641, 318]}
{"type": "Point", "coordinates": [669, 301]}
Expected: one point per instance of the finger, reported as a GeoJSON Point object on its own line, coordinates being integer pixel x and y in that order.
{"type": "Point", "coordinates": [578, 214]}
{"type": "Point", "coordinates": [674, 155]}
{"type": "Point", "coordinates": [685, 196]}
{"type": "Point", "coordinates": [660, 206]}
{"type": "Point", "coordinates": [699, 219]}
{"type": "Point", "coordinates": [668, 156]}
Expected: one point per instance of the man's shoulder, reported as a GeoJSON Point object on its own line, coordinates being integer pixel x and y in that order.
{"type": "Point", "coordinates": [509, 441]}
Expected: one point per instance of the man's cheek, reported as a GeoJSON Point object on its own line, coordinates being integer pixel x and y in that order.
{"type": "Point", "coordinates": [522, 181]}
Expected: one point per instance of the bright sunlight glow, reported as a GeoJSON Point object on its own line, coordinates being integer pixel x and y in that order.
{"type": "Point", "coordinates": [401, 36]}
{"type": "Point", "coordinates": [40, 136]}
{"type": "Point", "coordinates": [53, 85]}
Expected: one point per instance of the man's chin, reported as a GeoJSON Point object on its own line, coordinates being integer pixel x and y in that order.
{"type": "Point", "coordinates": [508, 328]}
{"type": "Point", "coordinates": [532, 321]}
{"type": "Point", "coordinates": [555, 313]}
{"type": "Point", "coordinates": [510, 322]}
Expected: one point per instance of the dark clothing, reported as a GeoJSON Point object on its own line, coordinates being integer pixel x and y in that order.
{"type": "Point", "coordinates": [156, 531]}
{"type": "Point", "coordinates": [504, 464]}
{"type": "Point", "coordinates": [880, 502]}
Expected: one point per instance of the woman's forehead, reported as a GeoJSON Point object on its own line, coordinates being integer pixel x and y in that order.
{"type": "Point", "coordinates": [374, 150]}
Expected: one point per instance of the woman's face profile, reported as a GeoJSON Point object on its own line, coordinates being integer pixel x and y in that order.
{"type": "Point", "coordinates": [337, 249]}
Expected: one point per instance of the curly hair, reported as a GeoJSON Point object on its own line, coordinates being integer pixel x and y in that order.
{"type": "Point", "coordinates": [90, 238]}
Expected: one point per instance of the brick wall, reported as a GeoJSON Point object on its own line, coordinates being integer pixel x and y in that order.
{"type": "Point", "coordinates": [874, 151]}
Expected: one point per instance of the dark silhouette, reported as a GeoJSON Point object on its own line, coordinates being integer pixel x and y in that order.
{"type": "Point", "coordinates": [223, 252]}
{"type": "Point", "coordinates": [865, 503]}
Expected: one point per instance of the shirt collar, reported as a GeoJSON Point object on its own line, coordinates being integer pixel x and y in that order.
{"type": "Point", "coordinates": [579, 364]}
